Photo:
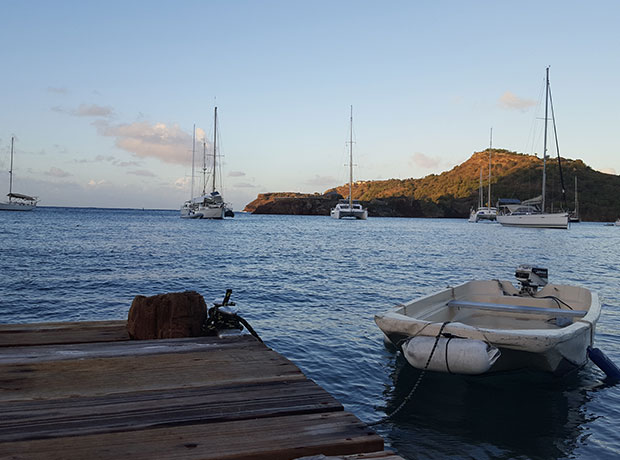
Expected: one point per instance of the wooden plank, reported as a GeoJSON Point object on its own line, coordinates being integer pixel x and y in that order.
{"type": "Point", "coordinates": [516, 308]}
{"type": "Point", "coordinates": [383, 455]}
{"type": "Point", "coordinates": [133, 411]}
{"type": "Point", "coordinates": [50, 333]}
{"type": "Point", "coordinates": [242, 363]}
{"type": "Point", "coordinates": [59, 352]}
{"type": "Point", "coordinates": [277, 438]}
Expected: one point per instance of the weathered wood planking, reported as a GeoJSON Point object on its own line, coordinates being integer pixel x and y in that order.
{"type": "Point", "coordinates": [383, 455]}
{"type": "Point", "coordinates": [99, 396]}
{"type": "Point", "coordinates": [89, 350]}
{"type": "Point", "coordinates": [27, 420]}
{"type": "Point", "coordinates": [244, 361]}
{"type": "Point", "coordinates": [49, 333]}
{"type": "Point", "coordinates": [276, 438]}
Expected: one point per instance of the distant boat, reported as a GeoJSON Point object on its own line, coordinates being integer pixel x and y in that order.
{"type": "Point", "coordinates": [531, 213]}
{"type": "Point", "coordinates": [209, 205]}
{"type": "Point", "coordinates": [349, 209]}
{"type": "Point", "coordinates": [17, 201]}
{"type": "Point", "coordinates": [484, 213]}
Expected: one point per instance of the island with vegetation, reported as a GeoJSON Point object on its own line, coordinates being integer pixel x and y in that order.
{"type": "Point", "coordinates": [453, 193]}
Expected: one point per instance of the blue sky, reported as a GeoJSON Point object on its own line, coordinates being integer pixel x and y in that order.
{"type": "Point", "coordinates": [102, 96]}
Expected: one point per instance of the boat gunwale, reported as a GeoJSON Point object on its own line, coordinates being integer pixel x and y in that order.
{"type": "Point", "coordinates": [538, 340]}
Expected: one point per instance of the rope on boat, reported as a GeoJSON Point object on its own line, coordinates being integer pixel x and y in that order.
{"type": "Point", "coordinates": [219, 319]}
{"type": "Point", "coordinates": [417, 383]}
{"type": "Point", "coordinates": [557, 300]}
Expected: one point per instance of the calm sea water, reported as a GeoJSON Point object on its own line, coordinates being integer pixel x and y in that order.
{"type": "Point", "coordinates": [310, 287]}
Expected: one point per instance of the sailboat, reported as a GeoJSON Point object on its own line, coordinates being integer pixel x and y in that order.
{"type": "Point", "coordinates": [574, 216]}
{"type": "Point", "coordinates": [17, 201]}
{"type": "Point", "coordinates": [209, 205]}
{"type": "Point", "coordinates": [349, 209]}
{"type": "Point", "coordinates": [531, 213]}
{"type": "Point", "coordinates": [484, 213]}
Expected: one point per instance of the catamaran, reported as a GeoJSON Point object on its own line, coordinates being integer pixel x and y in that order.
{"type": "Point", "coordinates": [17, 201]}
{"type": "Point", "coordinates": [209, 205]}
{"type": "Point", "coordinates": [349, 209]}
{"type": "Point", "coordinates": [531, 213]}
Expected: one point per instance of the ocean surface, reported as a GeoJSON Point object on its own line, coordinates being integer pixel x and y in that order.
{"type": "Point", "coordinates": [310, 287]}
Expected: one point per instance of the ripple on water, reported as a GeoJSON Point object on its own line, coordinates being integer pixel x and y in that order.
{"type": "Point", "coordinates": [310, 287]}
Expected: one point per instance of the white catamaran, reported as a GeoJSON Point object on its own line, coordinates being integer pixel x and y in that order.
{"type": "Point", "coordinates": [531, 213]}
{"type": "Point", "coordinates": [17, 201]}
{"type": "Point", "coordinates": [209, 205]}
{"type": "Point", "coordinates": [349, 209]}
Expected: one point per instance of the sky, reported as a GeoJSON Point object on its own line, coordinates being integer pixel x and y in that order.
{"type": "Point", "coordinates": [102, 97]}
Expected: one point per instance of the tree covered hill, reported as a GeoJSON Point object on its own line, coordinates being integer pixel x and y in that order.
{"type": "Point", "coordinates": [453, 193]}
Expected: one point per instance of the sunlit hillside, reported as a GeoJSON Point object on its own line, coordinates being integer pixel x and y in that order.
{"type": "Point", "coordinates": [452, 193]}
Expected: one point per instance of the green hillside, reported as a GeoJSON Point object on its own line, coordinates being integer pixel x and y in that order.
{"type": "Point", "coordinates": [453, 193]}
{"type": "Point", "coordinates": [513, 175]}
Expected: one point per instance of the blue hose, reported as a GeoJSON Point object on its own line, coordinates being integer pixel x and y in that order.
{"type": "Point", "coordinates": [604, 363]}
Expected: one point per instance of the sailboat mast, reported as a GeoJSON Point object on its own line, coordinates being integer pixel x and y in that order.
{"type": "Point", "coordinates": [576, 201]}
{"type": "Point", "coordinates": [204, 168]}
{"type": "Point", "coordinates": [544, 180]}
{"type": "Point", "coordinates": [11, 170]}
{"type": "Point", "coordinates": [191, 192]}
{"type": "Point", "coordinates": [480, 193]}
{"type": "Point", "coordinates": [214, 145]}
{"type": "Point", "coordinates": [490, 148]}
{"type": "Point", "coordinates": [351, 162]}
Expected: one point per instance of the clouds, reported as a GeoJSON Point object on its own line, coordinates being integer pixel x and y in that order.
{"type": "Point", "coordinates": [87, 110]}
{"type": "Point", "coordinates": [57, 90]}
{"type": "Point", "coordinates": [511, 101]}
{"type": "Point", "coordinates": [141, 172]}
{"type": "Point", "coordinates": [168, 143]}
{"type": "Point", "coordinates": [165, 142]}
{"type": "Point", "coordinates": [56, 172]}
{"type": "Point", "coordinates": [322, 181]}
{"type": "Point", "coordinates": [236, 174]}
{"type": "Point", "coordinates": [245, 185]}
{"type": "Point", "coordinates": [608, 171]}
{"type": "Point", "coordinates": [423, 161]}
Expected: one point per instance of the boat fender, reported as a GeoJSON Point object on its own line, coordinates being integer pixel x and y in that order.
{"type": "Point", "coordinates": [453, 355]}
{"type": "Point", "coordinates": [604, 363]}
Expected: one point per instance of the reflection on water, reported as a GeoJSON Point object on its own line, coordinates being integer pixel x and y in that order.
{"type": "Point", "coordinates": [310, 286]}
{"type": "Point", "coordinates": [502, 416]}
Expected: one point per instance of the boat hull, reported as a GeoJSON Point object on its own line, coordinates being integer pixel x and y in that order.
{"type": "Point", "coordinates": [204, 212]}
{"type": "Point", "coordinates": [354, 214]}
{"type": "Point", "coordinates": [211, 212]}
{"type": "Point", "coordinates": [16, 207]}
{"type": "Point", "coordinates": [483, 215]}
{"type": "Point", "coordinates": [527, 331]}
{"type": "Point", "coordinates": [557, 220]}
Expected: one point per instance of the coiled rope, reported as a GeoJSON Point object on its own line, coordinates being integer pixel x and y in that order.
{"type": "Point", "coordinates": [217, 319]}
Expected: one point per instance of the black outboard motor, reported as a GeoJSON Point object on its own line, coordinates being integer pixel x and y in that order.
{"type": "Point", "coordinates": [531, 278]}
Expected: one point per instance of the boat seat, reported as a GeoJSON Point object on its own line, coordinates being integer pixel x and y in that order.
{"type": "Point", "coordinates": [516, 308]}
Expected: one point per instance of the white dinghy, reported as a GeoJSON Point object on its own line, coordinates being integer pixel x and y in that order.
{"type": "Point", "coordinates": [489, 326]}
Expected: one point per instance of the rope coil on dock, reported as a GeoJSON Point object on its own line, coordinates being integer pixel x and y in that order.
{"type": "Point", "coordinates": [217, 320]}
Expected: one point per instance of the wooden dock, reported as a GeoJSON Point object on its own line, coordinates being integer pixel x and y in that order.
{"type": "Point", "coordinates": [85, 391]}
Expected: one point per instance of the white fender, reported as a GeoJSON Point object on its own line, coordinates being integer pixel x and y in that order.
{"type": "Point", "coordinates": [465, 356]}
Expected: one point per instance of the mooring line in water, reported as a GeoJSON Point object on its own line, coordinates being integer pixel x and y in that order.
{"type": "Point", "coordinates": [417, 383]}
